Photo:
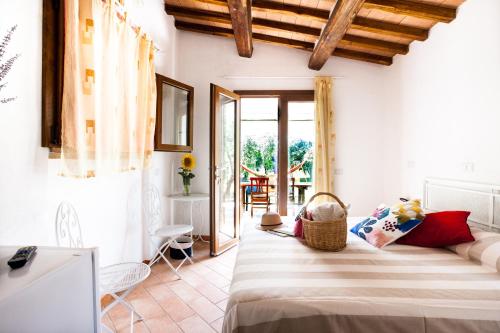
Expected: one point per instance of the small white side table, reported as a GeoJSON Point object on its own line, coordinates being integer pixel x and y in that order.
{"type": "Point", "coordinates": [191, 199]}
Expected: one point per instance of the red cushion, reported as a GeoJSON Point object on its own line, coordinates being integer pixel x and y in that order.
{"type": "Point", "coordinates": [439, 230]}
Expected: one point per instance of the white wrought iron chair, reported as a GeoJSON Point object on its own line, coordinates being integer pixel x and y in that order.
{"type": "Point", "coordinates": [116, 280]}
{"type": "Point", "coordinates": [166, 234]}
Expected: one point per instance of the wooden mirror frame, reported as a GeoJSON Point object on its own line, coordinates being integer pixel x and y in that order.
{"type": "Point", "coordinates": [159, 146]}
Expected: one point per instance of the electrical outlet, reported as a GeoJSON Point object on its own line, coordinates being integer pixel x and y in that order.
{"type": "Point", "coordinates": [410, 164]}
{"type": "Point", "coordinates": [468, 167]}
{"type": "Point", "coordinates": [339, 171]}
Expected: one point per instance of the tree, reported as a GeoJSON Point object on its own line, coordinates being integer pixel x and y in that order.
{"type": "Point", "coordinates": [252, 156]}
{"type": "Point", "coordinates": [268, 155]}
{"type": "Point", "coordinates": [7, 65]}
{"type": "Point", "coordinates": [298, 151]}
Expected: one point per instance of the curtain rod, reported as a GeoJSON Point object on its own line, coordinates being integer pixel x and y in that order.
{"type": "Point", "coordinates": [243, 77]}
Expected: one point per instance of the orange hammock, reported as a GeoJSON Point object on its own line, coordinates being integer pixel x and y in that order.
{"type": "Point", "coordinates": [255, 173]}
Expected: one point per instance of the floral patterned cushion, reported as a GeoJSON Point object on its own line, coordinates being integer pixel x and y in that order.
{"type": "Point", "coordinates": [386, 225]}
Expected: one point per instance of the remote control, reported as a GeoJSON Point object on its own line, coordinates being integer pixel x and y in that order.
{"type": "Point", "coordinates": [22, 256]}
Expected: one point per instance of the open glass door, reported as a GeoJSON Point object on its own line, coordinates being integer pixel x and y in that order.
{"type": "Point", "coordinates": [224, 169]}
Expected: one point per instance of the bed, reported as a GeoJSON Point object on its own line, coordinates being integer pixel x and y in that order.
{"type": "Point", "coordinates": [281, 285]}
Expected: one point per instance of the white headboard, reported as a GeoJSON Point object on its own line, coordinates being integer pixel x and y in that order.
{"type": "Point", "coordinates": [482, 200]}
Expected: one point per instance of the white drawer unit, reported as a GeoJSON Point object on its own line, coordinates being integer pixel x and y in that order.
{"type": "Point", "coordinates": [57, 291]}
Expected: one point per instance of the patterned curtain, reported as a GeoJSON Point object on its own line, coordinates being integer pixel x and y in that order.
{"type": "Point", "coordinates": [109, 99]}
{"type": "Point", "coordinates": [324, 150]}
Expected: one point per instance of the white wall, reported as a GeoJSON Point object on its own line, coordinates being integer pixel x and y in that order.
{"type": "Point", "coordinates": [445, 98]}
{"type": "Point", "coordinates": [359, 107]}
{"type": "Point", "coordinates": [30, 190]}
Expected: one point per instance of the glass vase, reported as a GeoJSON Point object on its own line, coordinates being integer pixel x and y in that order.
{"type": "Point", "coordinates": [186, 190]}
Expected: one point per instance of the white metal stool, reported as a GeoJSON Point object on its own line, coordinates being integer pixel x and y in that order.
{"type": "Point", "coordinates": [122, 278]}
{"type": "Point", "coordinates": [152, 212]}
{"type": "Point", "coordinates": [119, 278]}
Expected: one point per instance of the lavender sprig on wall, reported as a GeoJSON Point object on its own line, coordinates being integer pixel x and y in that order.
{"type": "Point", "coordinates": [7, 65]}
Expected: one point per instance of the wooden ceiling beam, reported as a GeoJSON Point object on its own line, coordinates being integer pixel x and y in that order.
{"type": "Point", "coordinates": [210, 16]}
{"type": "Point", "coordinates": [389, 29]}
{"type": "Point", "coordinates": [307, 46]}
{"type": "Point", "coordinates": [241, 18]}
{"type": "Point", "coordinates": [337, 25]}
{"type": "Point", "coordinates": [414, 8]}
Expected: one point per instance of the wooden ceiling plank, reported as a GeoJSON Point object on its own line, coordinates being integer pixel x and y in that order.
{"type": "Point", "coordinates": [241, 18]}
{"type": "Point", "coordinates": [391, 29]}
{"type": "Point", "coordinates": [224, 32]}
{"type": "Point", "coordinates": [337, 25]}
{"type": "Point", "coordinates": [287, 9]}
{"type": "Point", "coordinates": [375, 44]}
{"type": "Point", "coordinates": [361, 56]}
{"type": "Point", "coordinates": [282, 8]}
{"type": "Point", "coordinates": [414, 8]}
{"type": "Point", "coordinates": [198, 14]}
{"type": "Point", "coordinates": [258, 23]}
{"type": "Point", "coordinates": [225, 18]}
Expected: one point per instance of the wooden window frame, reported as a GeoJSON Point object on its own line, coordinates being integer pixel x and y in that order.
{"type": "Point", "coordinates": [284, 96]}
{"type": "Point", "coordinates": [52, 72]}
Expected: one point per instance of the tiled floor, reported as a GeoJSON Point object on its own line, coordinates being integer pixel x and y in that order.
{"type": "Point", "coordinates": [194, 304]}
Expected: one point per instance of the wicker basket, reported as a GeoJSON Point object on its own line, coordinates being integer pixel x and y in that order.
{"type": "Point", "coordinates": [326, 235]}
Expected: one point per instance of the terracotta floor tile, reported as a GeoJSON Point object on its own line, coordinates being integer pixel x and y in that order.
{"type": "Point", "coordinates": [221, 269]}
{"type": "Point", "coordinates": [217, 324]}
{"type": "Point", "coordinates": [200, 268]}
{"type": "Point", "coordinates": [216, 279]}
{"type": "Point", "coordinates": [118, 311]}
{"type": "Point", "coordinates": [184, 291]}
{"type": "Point", "coordinates": [122, 323]}
{"type": "Point", "coordinates": [176, 308]}
{"type": "Point", "coordinates": [159, 267]}
{"type": "Point", "coordinates": [167, 276]}
{"type": "Point", "coordinates": [206, 309]}
{"type": "Point", "coordinates": [160, 291]}
{"type": "Point", "coordinates": [139, 327]}
{"type": "Point", "coordinates": [162, 325]}
{"type": "Point", "coordinates": [192, 278]}
{"type": "Point", "coordinates": [108, 322]}
{"type": "Point", "coordinates": [211, 292]}
{"type": "Point", "coordinates": [222, 304]}
{"type": "Point", "coordinates": [147, 307]}
{"type": "Point", "coordinates": [138, 292]}
{"type": "Point", "coordinates": [151, 281]}
{"type": "Point", "coordinates": [195, 324]}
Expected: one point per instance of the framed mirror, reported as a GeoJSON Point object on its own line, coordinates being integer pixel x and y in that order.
{"type": "Point", "coordinates": [174, 115]}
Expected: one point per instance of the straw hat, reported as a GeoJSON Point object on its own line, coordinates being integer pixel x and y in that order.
{"type": "Point", "coordinates": [270, 220]}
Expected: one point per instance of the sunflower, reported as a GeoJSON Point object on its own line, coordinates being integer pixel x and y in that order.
{"type": "Point", "coordinates": [188, 162]}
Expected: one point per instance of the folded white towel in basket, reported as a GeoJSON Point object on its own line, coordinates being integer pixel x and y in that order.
{"type": "Point", "coordinates": [328, 211]}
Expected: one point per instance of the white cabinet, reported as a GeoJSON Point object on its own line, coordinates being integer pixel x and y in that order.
{"type": "Point", "coordinates": [57, 291]}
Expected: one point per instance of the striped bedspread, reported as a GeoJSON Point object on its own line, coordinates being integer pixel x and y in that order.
{"type": "Point", "coordinates": [280, 285]}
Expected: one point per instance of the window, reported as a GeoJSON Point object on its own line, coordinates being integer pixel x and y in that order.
{"type": "Point", "coordinates": [277, 125]}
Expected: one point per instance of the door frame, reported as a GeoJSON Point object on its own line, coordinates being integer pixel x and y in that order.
{"type": "Point", "coordinates": [284, 96]}
{"type": "Point", "coordinates": [215, 247]}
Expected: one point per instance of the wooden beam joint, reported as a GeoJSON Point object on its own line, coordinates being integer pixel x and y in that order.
{"type": "Point", "coordinates": [340, 19]}
{"type": "Point", "coordinates": [241, 18]}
